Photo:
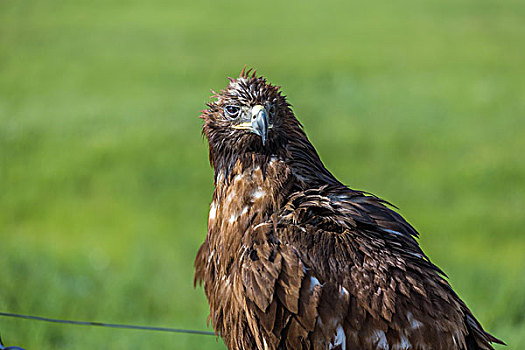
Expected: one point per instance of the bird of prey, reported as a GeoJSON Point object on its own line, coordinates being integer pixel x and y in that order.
{"type": "Point", "coordinates": [294, 259]}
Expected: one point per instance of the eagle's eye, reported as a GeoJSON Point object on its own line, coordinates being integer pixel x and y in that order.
{"type": "Point", "coordinates": [231, 111]}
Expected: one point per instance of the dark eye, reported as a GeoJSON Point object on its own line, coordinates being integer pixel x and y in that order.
{"type": "Point", "coordinates": [231, 111]}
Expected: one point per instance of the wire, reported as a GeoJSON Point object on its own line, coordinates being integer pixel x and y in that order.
{"type": "Point", "coordinates": [102, 324]}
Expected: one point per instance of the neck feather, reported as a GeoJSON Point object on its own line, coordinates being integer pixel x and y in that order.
{"type": "Point", "coordinates": [295, 151]}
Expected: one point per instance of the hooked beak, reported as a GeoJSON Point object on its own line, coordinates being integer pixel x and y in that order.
{"type": "Point", "coordinates": [258, 124]}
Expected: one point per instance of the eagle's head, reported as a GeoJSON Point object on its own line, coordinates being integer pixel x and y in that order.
{"type": "Point", "coordinates": [249, 118]}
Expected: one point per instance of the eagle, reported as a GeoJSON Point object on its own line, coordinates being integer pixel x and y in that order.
{"type": "Point", "coordinates": [294, 259]}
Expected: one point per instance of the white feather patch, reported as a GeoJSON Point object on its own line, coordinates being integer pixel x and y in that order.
{"type": "Point", "coordinates": [404, 344]}
{"type": "Point", "coordinates": [313, 283]}
{"type": "Point", "coordinates": [273, 159]}
{"type": "Point", "coordinates": [414, 324]}
{"type": "Point", "coordinates": [340, 338]}
{"type": "Point", "coordinates": [213, 211]}
{"type": "Point", "coordinates": [380, 338]}
{"type": "Point", "coordinates": [234, 217]}
{"type": "Point", "coordinates": [258, 193]}
{"type": "Point", "coordinates": [260, 225]}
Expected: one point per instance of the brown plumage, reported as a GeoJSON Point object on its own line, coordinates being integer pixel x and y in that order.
{"type": "Point", "coordinates": [293, 259]}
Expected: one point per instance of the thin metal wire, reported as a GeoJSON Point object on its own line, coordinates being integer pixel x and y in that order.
{"type": "Point", "coordinates": [102, 324]}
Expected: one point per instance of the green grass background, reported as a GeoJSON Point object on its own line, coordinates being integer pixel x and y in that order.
{"type": "Point", "coordinates": [104, 178]}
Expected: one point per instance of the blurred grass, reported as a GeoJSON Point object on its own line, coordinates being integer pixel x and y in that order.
{"type": "Point", "coordinates": [104, 181]}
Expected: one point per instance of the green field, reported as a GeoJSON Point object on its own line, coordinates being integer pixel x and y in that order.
{"type": "Point", "coordinates": [104, 177]}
